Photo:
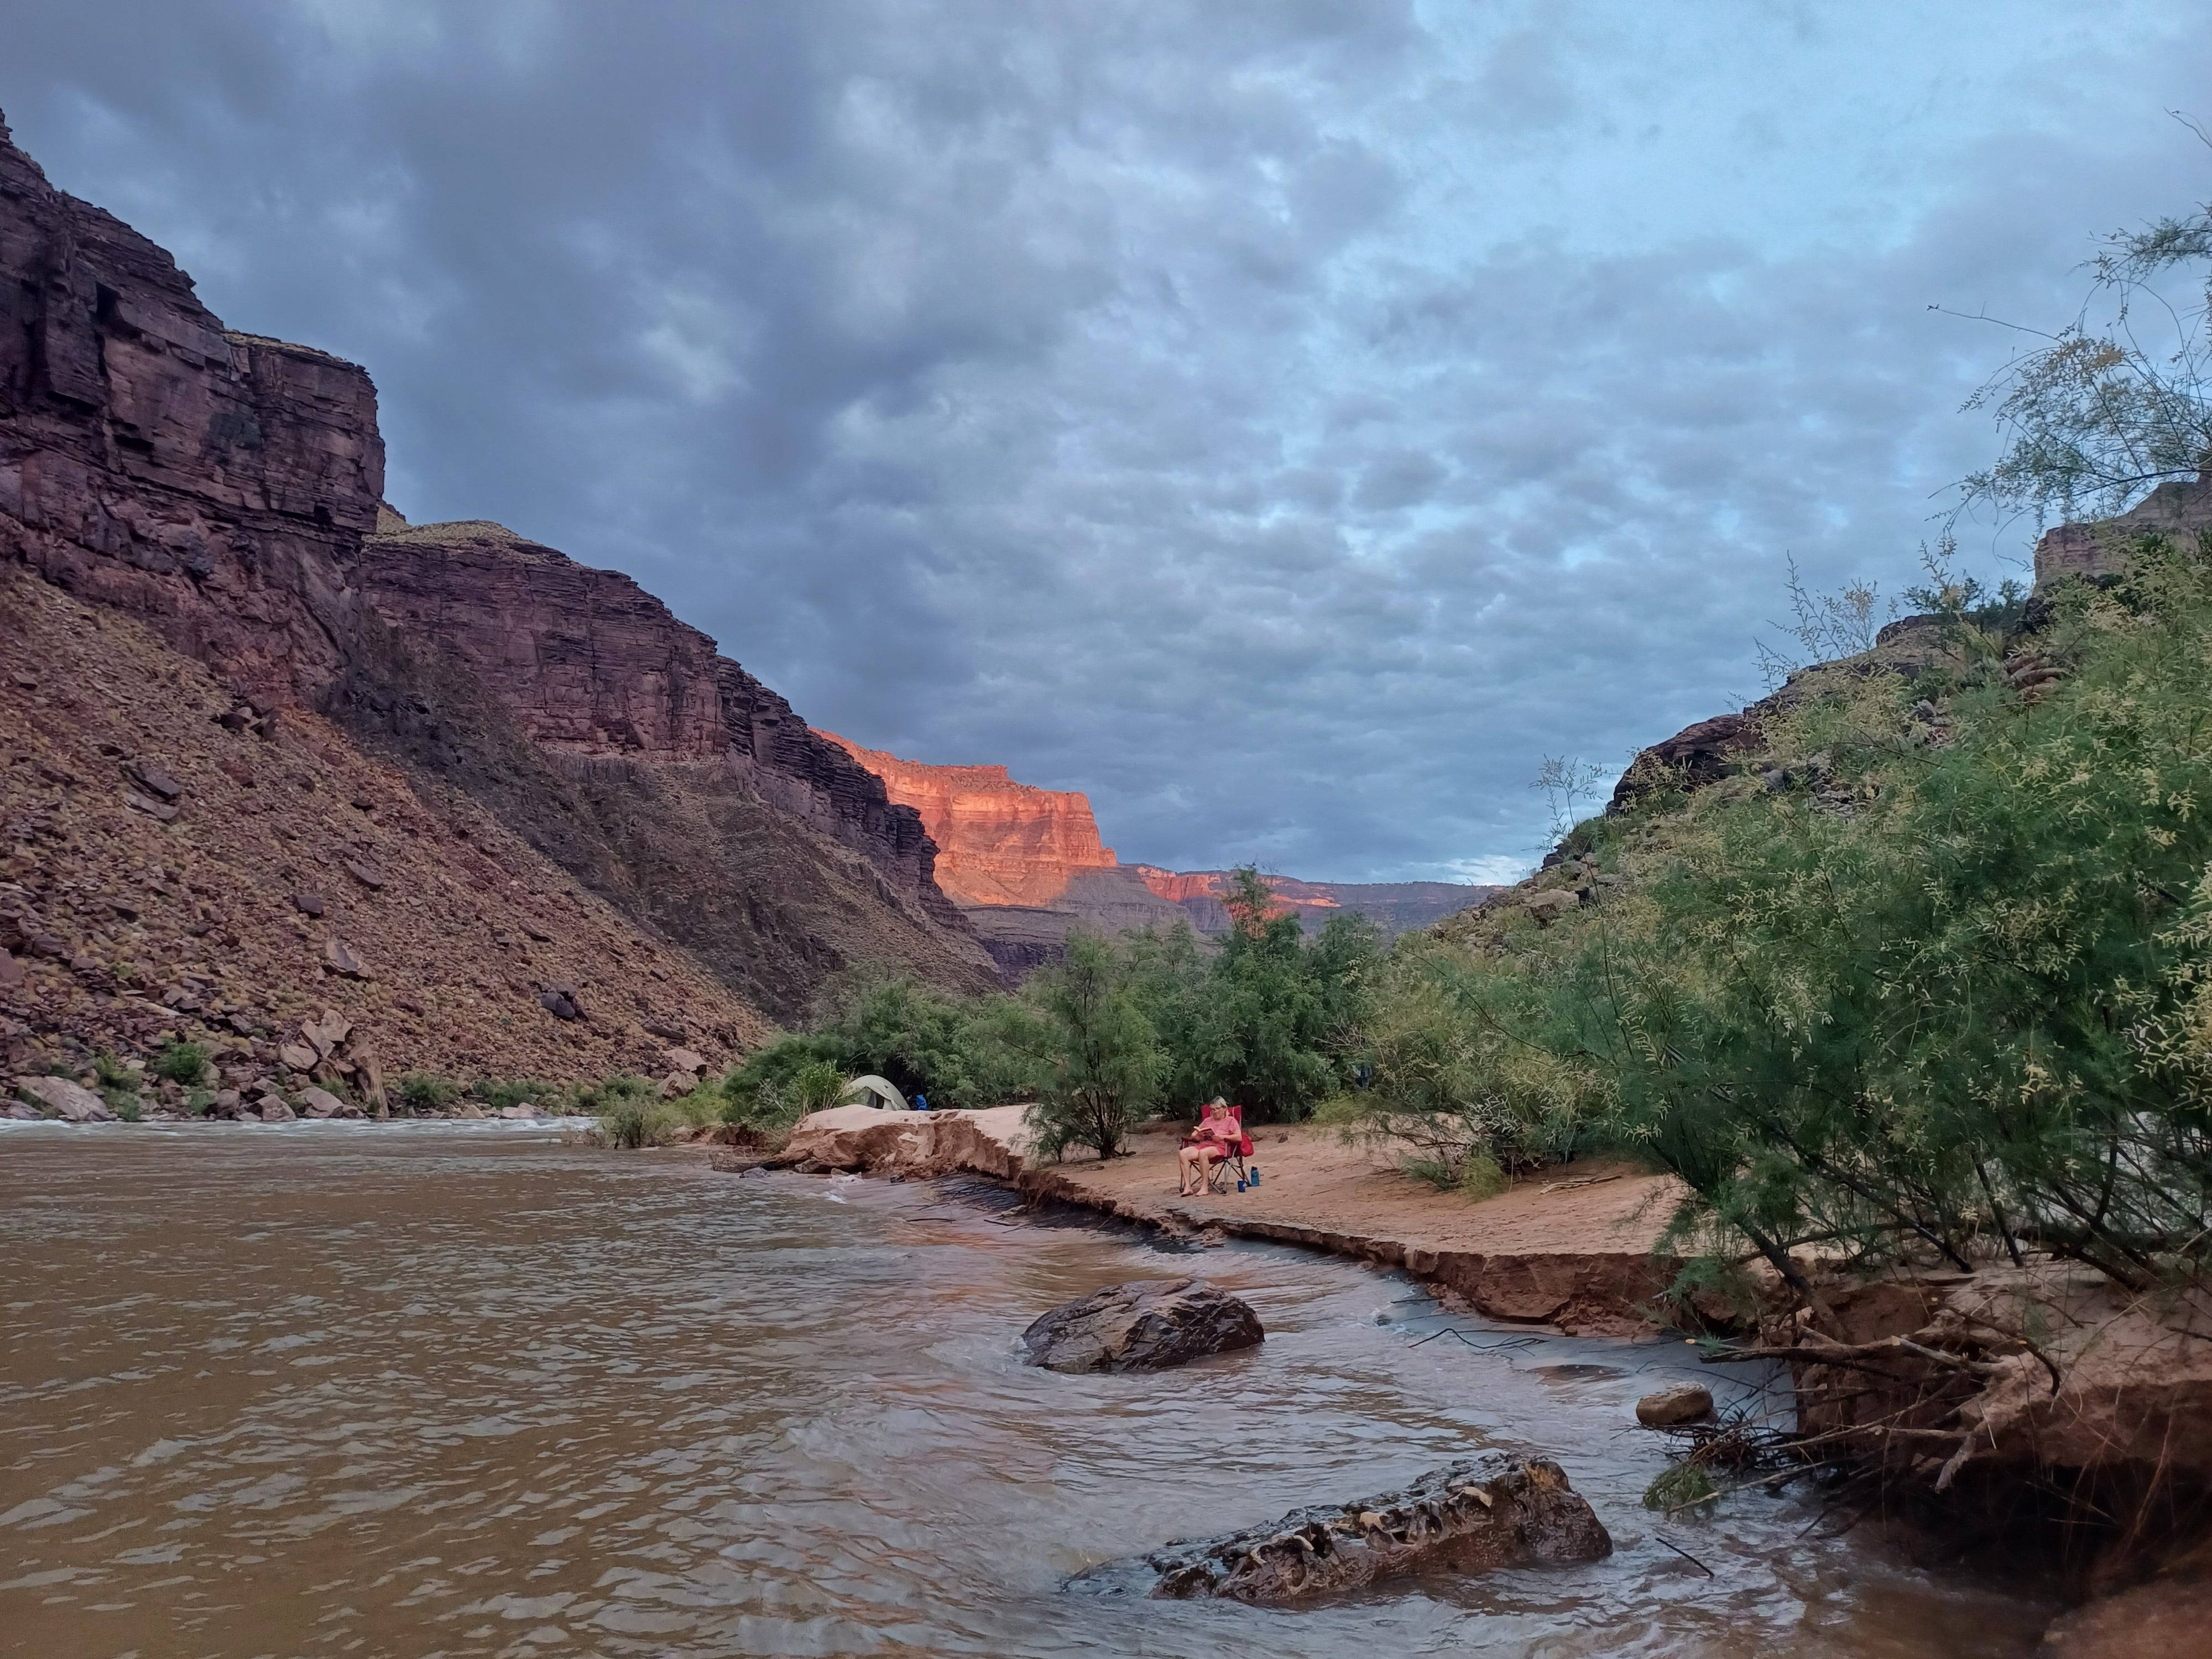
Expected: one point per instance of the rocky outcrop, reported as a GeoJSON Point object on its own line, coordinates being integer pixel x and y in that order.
{"type": "Point", "coordinates": [1496, 1513]}
{"type": "Point", "coordinates": [989, 1142]}
{"type": "Point", "coordinates": [2098, 550]}
{"type": "Point", "coordinates": [1145, 1325]}
{"type": "Point", "coordinates": [207, 482]}
{"type": "Point", "coordinates": [1731, 745]}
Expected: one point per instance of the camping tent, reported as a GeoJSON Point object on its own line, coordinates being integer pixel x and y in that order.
{"type": "Point", "coordinates": [872, 1091]}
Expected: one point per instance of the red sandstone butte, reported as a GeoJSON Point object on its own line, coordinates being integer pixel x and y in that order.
{"type": "Point", "coordinates": [997, 841]}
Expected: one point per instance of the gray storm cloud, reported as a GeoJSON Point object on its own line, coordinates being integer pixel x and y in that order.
{"type": "Point", "coordinates": [1288, 423]}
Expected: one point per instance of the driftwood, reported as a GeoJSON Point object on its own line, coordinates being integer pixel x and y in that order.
{"type": "Point", "coordinates": [1493, 1512]}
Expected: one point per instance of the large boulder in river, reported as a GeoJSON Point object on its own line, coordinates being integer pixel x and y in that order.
{"type": "Point", "coordinates": [1496, 1511]}
{"type": "Point", "coordinates": [72, 1102]}
{"type": "Point", "coordinates": [1144, 1325]}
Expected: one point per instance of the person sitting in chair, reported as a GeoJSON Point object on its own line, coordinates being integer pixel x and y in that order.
{"type": "Point", "coordinates": [1207, 1145]}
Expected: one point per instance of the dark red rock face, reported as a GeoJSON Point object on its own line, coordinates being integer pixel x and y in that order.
{"type": "Point", "coordinates": [205, 480]}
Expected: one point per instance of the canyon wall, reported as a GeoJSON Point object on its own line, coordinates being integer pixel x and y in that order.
{"type": "Point", "coordinates": [223, 490]}
{"type": "Point", "coordinates": [207, 482]}
{"type": "Point", "coordinates": [667, 777]}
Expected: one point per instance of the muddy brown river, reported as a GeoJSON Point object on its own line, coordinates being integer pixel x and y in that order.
{"type": "Point", "coordinates": [456, 1390]}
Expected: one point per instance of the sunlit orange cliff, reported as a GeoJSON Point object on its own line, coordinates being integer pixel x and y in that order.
{"type": "Point", "coordinates": [1027, 864]}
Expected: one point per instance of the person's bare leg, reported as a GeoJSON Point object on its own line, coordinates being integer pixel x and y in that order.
{"type": "Point", "coordinates": [1189, 1160]}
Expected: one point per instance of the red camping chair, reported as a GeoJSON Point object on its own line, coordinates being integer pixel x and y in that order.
{"type": "Point", "coordinates": [1231, 1161]}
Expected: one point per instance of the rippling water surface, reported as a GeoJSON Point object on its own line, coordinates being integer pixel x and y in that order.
{"type": "Point", "coordinates": [376, 1391]}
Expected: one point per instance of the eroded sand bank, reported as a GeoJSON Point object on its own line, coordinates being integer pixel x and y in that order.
{"type": "Point", "coordinates": [1571, 1248]}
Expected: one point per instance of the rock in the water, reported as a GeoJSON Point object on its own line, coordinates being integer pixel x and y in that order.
{"type": "Point", "coordinates": [1496, 1511]}
{"type": "Point", "coordinates": [274, 1110]}
{"type": "Point", "coordinates": [1685, 1402]}
{"type": "Point", "coordinates": [21, 1112]}
{"type": "Point", "coordinates": [1144, 1325]}
{"type": "Point", "coordinates": [321, 1102]}
{"type": "Point", "coordinates": [523, 1113]}
{"type": "Point", "coordinates": [72, 1102]}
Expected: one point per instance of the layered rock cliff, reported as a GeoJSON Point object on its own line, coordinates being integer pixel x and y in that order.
{"type": "Point", "coordinates": [209, 481]}
{"type": "Point", "coordinates": [999, 841]}
{"type": "Point", "coordinates": [223, 490]}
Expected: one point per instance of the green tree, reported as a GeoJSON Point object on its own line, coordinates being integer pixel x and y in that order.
{"type": "Point", "coordinates": [1278, 1022]}
{"type": "Point", "coordinates": [1105, 1061]}
{"type": "Point", "coordinates": [2117, 400]}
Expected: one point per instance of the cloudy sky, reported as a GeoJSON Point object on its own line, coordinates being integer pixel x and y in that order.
{"type": "Point", "coordinates": [1289, 423]}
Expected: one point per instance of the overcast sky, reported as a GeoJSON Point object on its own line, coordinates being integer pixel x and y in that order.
{"type": "Point", "coordinates": [1287, 422]}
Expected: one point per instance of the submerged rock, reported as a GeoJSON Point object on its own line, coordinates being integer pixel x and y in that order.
{"type": "Point", "coordinates": [1496, 1511]}
{"type": "Point", "coordinates": [1144, 1325]}
{"type": "Point", "coordinates": [1685, 1402]}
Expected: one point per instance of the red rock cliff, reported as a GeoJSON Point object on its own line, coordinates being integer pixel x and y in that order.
{"type": "Point", "coordinates": [208, 482]}
{"type": "Point", "coordinates": [998, 842]}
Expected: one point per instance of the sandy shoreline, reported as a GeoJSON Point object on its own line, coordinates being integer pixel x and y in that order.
{"type": "Point", "coordinates": [1571, 1249]}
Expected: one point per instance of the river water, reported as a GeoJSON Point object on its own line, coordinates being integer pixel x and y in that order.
{"type": "Point", "coordinates": [458, 1390]}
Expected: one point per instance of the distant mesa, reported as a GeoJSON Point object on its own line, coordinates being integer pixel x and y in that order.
{"type": "Point", "coordinates": [998, 842]}
{"type": "Point", "coordinates": [1025, 865]}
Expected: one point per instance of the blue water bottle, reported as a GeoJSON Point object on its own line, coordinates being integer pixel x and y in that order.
{"type": "Point", "coordinates": [1252, 1174]}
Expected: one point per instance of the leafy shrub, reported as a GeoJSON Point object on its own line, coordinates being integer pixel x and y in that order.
{"type": "Point", "coordinates": [425, 1092]}
{"type": "Point", "coordinates": [200, 1102]}
{"type": "Point", "coordinates": [499, 1095]}
{"type": "Point", "coordinates": [632, 1121]}
{"type": "Point", "coordinates": [180, 1063]}
{"type": "Point", "coordinates": [1106, 1061]}
{"type": "Point", "coordinates": [1678, 1484]}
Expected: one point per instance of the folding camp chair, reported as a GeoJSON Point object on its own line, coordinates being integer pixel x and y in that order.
{"type": "Point", "coordinates": [1232, 1163]}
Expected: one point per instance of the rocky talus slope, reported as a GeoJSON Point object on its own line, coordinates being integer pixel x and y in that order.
{"type": "Point", "coordinates": [180, 864]}
{"type": "Point", "coordinates": [222, 492]}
